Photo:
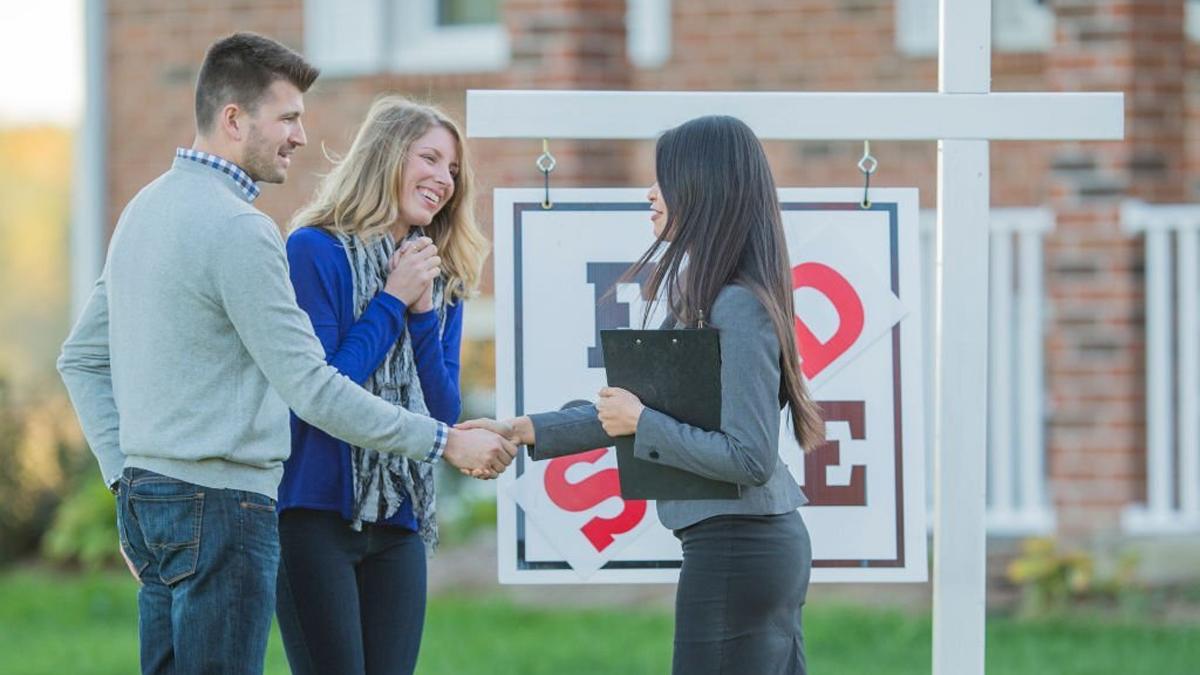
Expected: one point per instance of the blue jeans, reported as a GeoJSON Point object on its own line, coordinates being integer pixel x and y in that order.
{"type": "Point", "coordinates": [207, 560]}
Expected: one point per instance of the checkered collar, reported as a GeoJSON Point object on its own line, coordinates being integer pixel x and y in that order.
{"type": "Point", "coordinates": [235, 173]}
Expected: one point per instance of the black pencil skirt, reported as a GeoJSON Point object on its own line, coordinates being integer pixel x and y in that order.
{"type": "Point", "coordinates": [741, 590]}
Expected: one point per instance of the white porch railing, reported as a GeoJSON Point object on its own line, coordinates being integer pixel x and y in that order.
{"type": "Point", "coordinates": [1172, 234]}
{"type": "Point", "coordinates": [1016, 502]}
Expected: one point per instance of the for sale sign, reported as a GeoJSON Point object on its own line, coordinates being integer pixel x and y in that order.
{"type": "Point", "coordinates": [854, 275]}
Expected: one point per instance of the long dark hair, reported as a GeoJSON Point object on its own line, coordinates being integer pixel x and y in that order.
{"type": "Point", "coordinates": [723, 220]}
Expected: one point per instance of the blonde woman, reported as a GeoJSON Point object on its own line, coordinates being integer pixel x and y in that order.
{"type": "Point", "coordinates": [381, 260]}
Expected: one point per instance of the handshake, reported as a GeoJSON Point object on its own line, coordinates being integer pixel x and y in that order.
{"type": "Point", "coordinates": [483, 448]}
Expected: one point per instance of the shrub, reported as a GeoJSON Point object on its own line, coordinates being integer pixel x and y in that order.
{"type": "Point", "coordinates": [42, 458]}
{"type": "Point", "coordinates": [85, 528]}
{"type": "Point", "coordinates": [1053, 580]}
{"type": "Point", "coordinates": [1049, 578]}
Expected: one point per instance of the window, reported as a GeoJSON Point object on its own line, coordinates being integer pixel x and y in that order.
{"type": "Point", "coordinates": [648, 23]}
{"type": "Point", "coordinates": [1017, 26]}
{"type": "Point", "coordinates": [1192, 20]}
{"type": "Point", "coordinates": [359, 37]}
{"type": "Point", "coordinates": [1022, 25]}
{"type": "Point", "coordinates": [468, 12]}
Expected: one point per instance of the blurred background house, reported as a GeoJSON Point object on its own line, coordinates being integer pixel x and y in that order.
{"type": "Point", "coordinates": [1095, 380]}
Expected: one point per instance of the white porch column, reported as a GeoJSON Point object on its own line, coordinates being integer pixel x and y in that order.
{"type": "Point", "coordinates": [89, 194]}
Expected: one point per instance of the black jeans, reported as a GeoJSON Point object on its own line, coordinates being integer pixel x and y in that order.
{"type": "Point", "coordinates": [741, 590]}
{"type": "Point", "coordinates": [349, 602]}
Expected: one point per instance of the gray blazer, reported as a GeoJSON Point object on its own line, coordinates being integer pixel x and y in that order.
{"type": "Point", "coordinates": [744, 451]}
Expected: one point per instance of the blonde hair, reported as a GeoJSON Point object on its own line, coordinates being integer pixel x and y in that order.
{"type": "Point", "coordinates": [361, 196]}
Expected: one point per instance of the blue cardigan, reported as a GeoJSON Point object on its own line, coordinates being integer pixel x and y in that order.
{"type": "Point", "coordinates": [318, 474]}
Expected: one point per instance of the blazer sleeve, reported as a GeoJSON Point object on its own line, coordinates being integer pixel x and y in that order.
{"type": "Point", "coordinates": [567, 431]}
{"type": "Point", "coordinates": [745, 450]}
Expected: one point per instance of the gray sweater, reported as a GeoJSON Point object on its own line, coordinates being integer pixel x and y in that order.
{"type": "Point", "coordinates": [745, 450]}
{"type": "Point", "coordinates": [191, 347]}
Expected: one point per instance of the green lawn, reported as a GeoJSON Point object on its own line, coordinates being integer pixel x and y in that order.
{"type": "Point", "coordinates": [82, 624]}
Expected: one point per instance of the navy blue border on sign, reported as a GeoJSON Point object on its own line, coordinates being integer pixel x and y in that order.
{"type": "Point", "coordinates": [893, 211]}
{"type": "Point", "coordinates": [891, 208]}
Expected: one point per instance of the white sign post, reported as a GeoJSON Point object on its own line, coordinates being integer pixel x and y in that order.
{"type": "Point", "coordinates": [963, 117]}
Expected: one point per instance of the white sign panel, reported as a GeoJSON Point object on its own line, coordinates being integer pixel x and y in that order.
{"type": "Point", "coordinates": [857, 293]}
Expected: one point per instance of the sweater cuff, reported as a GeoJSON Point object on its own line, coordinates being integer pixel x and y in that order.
{"type": "Point", "coordinates": [393, 304]}
{"type": "Point", "coordinates": [112, 466]}
{"type": "Point", "coordinates": [422, 321]}
{"type": "Point", "coordinates": [439, 443]}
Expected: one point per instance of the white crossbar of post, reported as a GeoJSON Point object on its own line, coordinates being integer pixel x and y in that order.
{"type": "Point", "coordinates": [789, 115]}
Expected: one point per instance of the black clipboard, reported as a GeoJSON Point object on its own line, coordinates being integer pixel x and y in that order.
{"type": "Point", "coordinates": [677, 372]}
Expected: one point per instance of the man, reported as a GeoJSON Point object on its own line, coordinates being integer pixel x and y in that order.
{"type": "Point", "coordinates": [187, 357]}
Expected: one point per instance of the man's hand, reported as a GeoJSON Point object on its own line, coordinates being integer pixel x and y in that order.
{"type": "Point", "coordinates": [129, 563]}
{"type": "Point", "coordinates": [619, 411]}
{"type": "Point", "coordinates": [479, 452]}
{"type": "Point", "coordinates": [518, 430]}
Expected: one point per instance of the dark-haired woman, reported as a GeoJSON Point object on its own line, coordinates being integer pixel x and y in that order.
{"type": "Point", "coordinates": [746, 561]}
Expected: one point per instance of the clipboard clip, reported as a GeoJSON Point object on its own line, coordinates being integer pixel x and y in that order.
{"type": "Point", "coordinates": [700, 320]}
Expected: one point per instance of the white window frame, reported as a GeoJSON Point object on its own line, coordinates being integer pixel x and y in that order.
{"type": "Point", "coordinates": [422, 46]}
{"type": "Point", "coordinates": [346, 38]}
{"type": "Point", "coordinates": [1022, 25]}
{"type": "Point", "coordinates": [648, 29]}
{"type": "Point", "coordinates": [1017, 26]}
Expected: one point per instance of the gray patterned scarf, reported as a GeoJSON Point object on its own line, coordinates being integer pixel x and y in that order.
{"type": "Point", "coordinates": [383, 480]}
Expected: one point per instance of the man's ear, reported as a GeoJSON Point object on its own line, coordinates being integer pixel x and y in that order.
{"type": "Point", "coordinates": [231, 121]}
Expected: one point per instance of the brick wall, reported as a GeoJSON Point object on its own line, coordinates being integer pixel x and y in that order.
{"type": "Point", "coordinates": [155, 50]}
{"type": "Point", "coordinates": [1093, 270]}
